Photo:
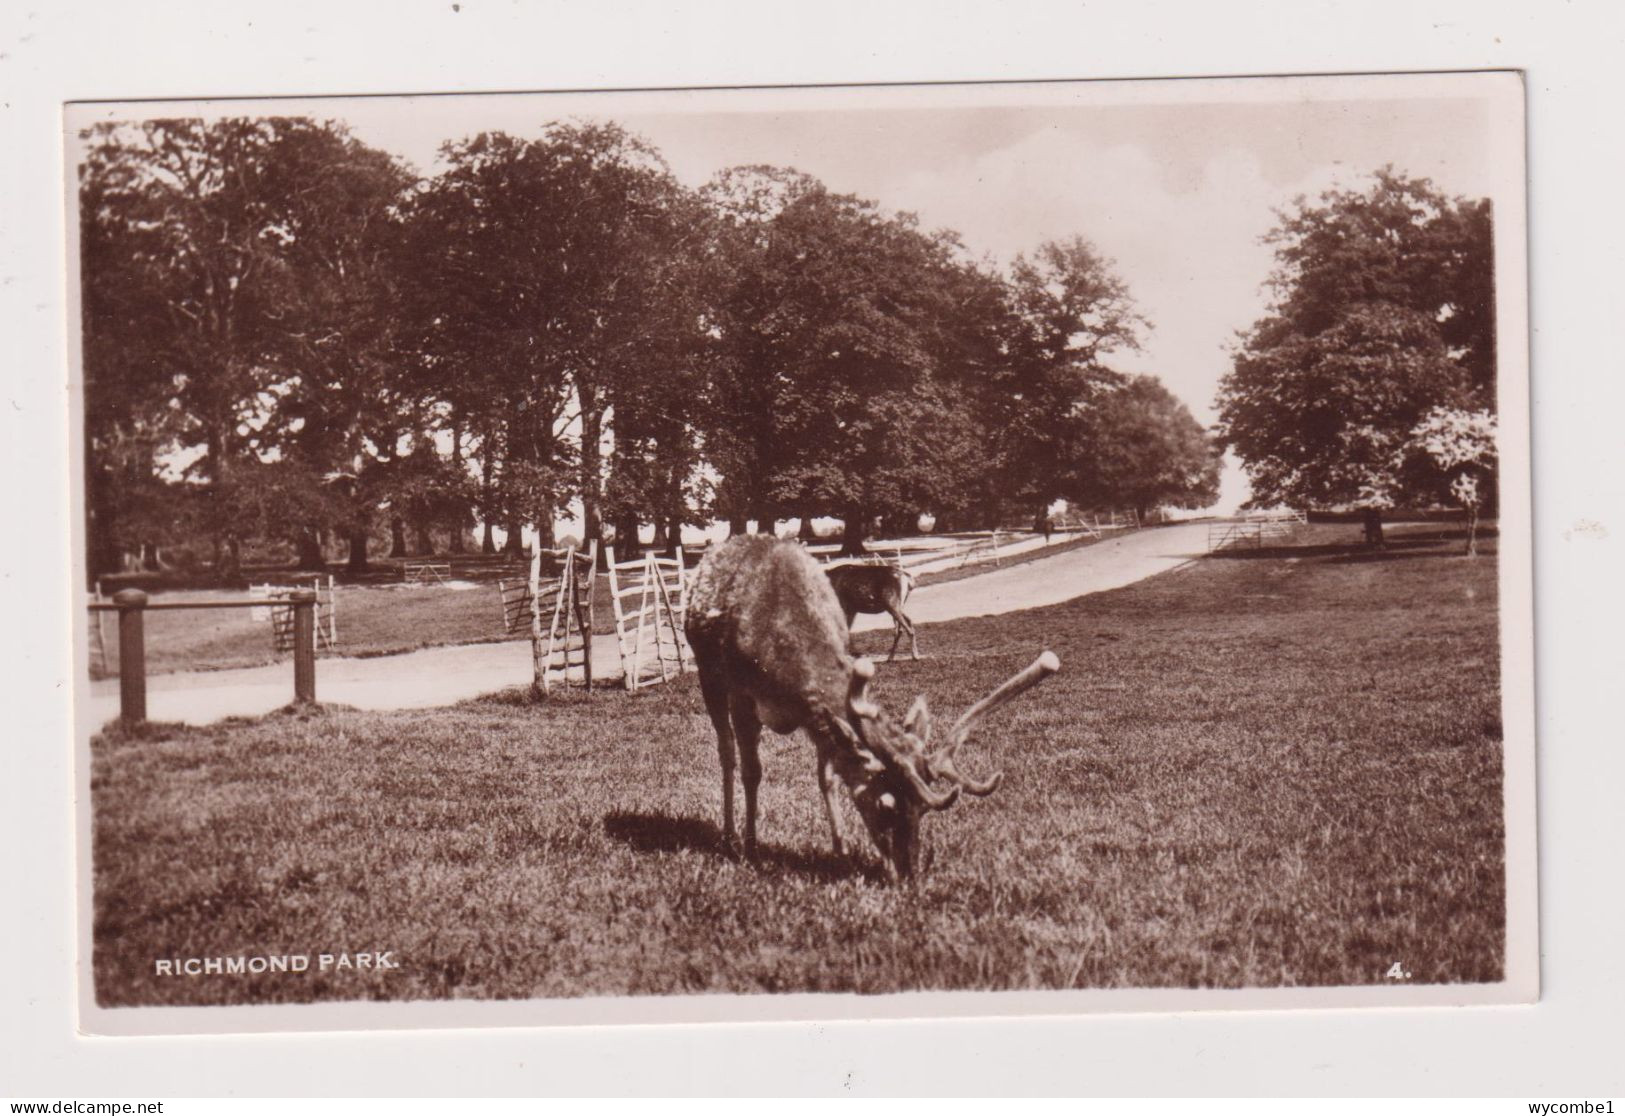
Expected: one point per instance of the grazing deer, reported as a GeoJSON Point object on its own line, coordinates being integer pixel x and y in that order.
{"type": "Point", "coordinates": [871, 588]}
{"type": "Point", "coordinates": [771, 645]}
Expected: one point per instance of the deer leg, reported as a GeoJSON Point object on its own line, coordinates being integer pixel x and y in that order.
{"type": "Point", "coordinates": [826, 784]}
{"type": "Point", "coordinates": [901, 624]}
{"type": "Point", "coordinates": [748, 731]}
{"type": "Point", "coordinates": [716, 704]}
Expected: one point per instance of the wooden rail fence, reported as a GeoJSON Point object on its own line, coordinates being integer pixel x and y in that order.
{"type": "Point", "coordinates": [424, 573]}
{"type": "Point", "coordinates": [1254, 530]}
{"type": "Point", "coordinates": [132, 605]}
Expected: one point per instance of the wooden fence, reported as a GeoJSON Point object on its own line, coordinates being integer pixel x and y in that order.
{"type": "Point", "coordinates": [649, 636]}
{"type": "Point", "coordinates": [954, 554]}
{"type": "Point", "coordinates": [564, 642]}
{"type": "Point", "coordinates": [281, 615]}
{"type": "Point", "coordinates": [1254, 530]}
{"type": "Point", "coordinates": [132, 605]}
{"type": "Point", "coordinates": [424, 573]}
{"type": "Point", "coordinates": [518, 606]}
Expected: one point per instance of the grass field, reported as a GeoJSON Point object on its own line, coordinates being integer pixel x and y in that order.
{"type": "Point", "coordinates": [1277, 768]}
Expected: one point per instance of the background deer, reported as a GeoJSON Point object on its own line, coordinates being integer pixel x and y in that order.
{"type": "Point", "coordinates": [769, 638]}
{"type": "Point", "coordinates": [873, 588]}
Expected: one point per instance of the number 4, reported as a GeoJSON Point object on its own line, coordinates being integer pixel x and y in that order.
{"type": "Point", "coordinates": [1397, 971]}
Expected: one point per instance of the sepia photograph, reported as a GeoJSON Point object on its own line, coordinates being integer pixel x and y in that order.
{"type": "Point", "coordinates": [799, 553]}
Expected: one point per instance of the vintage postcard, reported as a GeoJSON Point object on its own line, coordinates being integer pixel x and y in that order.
{"type": "Point", "coordinates": [800, 553]}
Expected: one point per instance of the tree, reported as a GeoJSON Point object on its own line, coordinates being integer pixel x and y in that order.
{"type": "Point", "coordinates": [541, 274]}
{"type": "Point", "coordinates": [1069, 312]}
{"type": "Point", "coordinates": [1145, 451]}
{"type": "Point", "coordinates": [836, 354]}
{"type": "Point", "coordinates": [656, 399]}
{"type": "Point", "coordinates": [130, 506]}
{"type": "Point", "coordinates": [208, 247]}
{"type": "Point", "coordinates": [1458, 449]}
{"type": "Point", "coordinates": [421, 489]}
{"type": "Point", "coordinates": [1383, 310]}
{"type": "Point", "coordinates": [285, 499]}
{"type": "Point", "coordinates": [193, 209]}
{"type": "Point", "coordinates": [348, 394]}
{"type": "Point", "coordinates": [475, 308]}
{"type": "Point", "coordinates": [747, 319]}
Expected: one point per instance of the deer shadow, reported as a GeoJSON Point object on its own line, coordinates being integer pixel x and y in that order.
{"type": "Point", "coordinates": [661, 832]}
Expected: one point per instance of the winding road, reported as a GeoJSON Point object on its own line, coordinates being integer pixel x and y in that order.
{"type": "Point", "coordinates": [445, 675]}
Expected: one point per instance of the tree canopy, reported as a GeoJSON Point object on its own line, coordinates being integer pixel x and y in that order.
{"type": "Point", "coordinates": [1383, 311]}
{"type": "Point", "coordinates": [292, 340]}
{"type": "Point", "coordinates": [229, 289]}
{"type": "Point", "coordinates": [1146, 450]}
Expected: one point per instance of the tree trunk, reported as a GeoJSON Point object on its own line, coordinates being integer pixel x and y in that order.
{"type": "Point", "coordinates": [228, 552]}
{"type": "Point", "coordinates": [459, 525]}
{"type": "Point", "coordinates": [547, 535]}
{"type": "Point", "coordinates": [488, 544]}
{"type": "Point", "coordinates": [425, 539]}
{"type": "Point", "coordinates": [232, 569]}
{"type": "Point", "coordinates": [397, 537]}
{"type": "Point", "coordinates": [1373, 527]}
{"type": "Point", "coordinates": [626, 536]}
{"type": "Point", "coordinates": [767, 519]}
{"type": "Point", "coordinates": [310, 550]}
{"type": "Point", "coordinates": [737, 523]}
{"type": "Point", "coordinates": [854, 529]}
{"type": "Point", "coordinates": [592, 463]}
{"type": "Point", "coordinates": [807, 533]}
{"type": "Point", "coordinates": [676, 511]}
{"type": "Point", "coordinates": [1472, 531]}
{"type": "Point", "coordinates": [358, 563]}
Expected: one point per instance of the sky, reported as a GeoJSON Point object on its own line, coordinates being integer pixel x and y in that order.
{"type": "Point", "coordinates": [1174, 181]}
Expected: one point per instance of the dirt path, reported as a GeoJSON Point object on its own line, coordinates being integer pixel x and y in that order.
{"type": "Point", "coordinates": [444, 675]}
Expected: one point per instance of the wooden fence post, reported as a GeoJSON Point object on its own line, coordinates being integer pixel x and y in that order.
{"type": "Point", "coordinates": [304, 645]}
{"type": "Point", "coordinates": [132, 657]}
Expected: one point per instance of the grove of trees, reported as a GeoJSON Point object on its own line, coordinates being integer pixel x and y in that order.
{"type": "Point", "coordinates": [1371, 382]}
{"type": "Point", "coordinates": [294, 343]}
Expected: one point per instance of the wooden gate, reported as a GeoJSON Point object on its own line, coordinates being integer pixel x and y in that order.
{"type": "Point", "coordinates": [561, 645]}
{"type": "Point", "coordinates": [518, 606]}
{"type": "Point", "coordinates": [650, 634]}
{"type": "Point", "coordinates": [281, 613]}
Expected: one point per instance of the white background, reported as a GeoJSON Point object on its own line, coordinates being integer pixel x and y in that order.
{"type": "Point", "coordinates": [1567, 1046]}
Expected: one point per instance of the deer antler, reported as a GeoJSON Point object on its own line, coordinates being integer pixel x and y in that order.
{"type": "Point", "coordinates": [907, 765]}
{"type": "Point", "coordinates": [943, 760]}
{"type": "Point", "coordinates": [883, 756]}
